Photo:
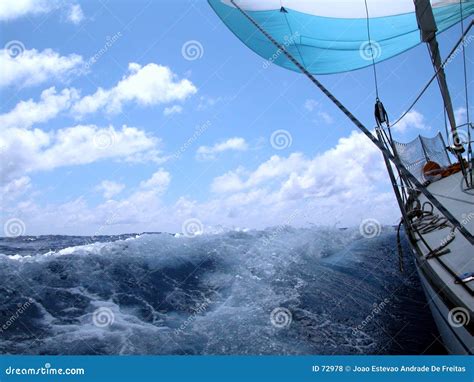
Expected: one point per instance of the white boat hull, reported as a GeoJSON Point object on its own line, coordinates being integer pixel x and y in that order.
{"type": "Point", "coordinates": [456, 339]}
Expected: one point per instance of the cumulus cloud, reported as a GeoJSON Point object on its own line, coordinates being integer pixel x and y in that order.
{"type": "Point", "coordinates": [147, 85]}
{"type": "Point", "coordinates": [175, 109]}
{"type": "Point", "coordinates": [229, 182]}
{"type": "Point", "coordinates": [210, 152]}
{"type": "Point", "coordinates": [413, 120]}
{"type": "Point", "coordinates": [207, 102]}
{"type": "Point", "coordinates": [75, 14]}
{"type": "Point", "coordinates": [158, 182]}
{"type": "Point", "coordinates": [326, 117]}
{"type": "Point", "coordinates": [110, 188]}
{"type": "Point", "coordinates": [25, 151]}
{"type": "Point", "coordinates": [460, 114]}
{"type": "Point", "coordinates": [137, 210]}
{"type": "Point", "coordinates": [274, 168]}
{"type": "Point", "coordinates": [31, 67]}
{"type": "Point", "coordinates": [13, 9]}
{"type": "Point", "coordinates": [14, 189]}
{"type": "Point", "coordinates": [27, 113]}
{"type": "Point", "coordinates": [346, 184]}
{"type": "Point", "coordinates": [311, 104]}
{"type": "Point", "coordinates": [132, 88]}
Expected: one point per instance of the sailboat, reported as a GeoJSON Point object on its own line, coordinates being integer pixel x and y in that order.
{"type": "Point", "coordinates": [431, 176]}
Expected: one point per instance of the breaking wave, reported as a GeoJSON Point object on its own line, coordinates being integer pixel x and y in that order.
{"type": "Point", "coordinates": [279, 291]}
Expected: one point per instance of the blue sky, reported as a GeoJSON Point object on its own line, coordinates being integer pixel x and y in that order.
{"type": "Point", "coordinates": [111, 124]}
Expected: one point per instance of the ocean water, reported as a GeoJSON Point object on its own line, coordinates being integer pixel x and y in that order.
{"type": "Point", "coordinates": [278, 291]}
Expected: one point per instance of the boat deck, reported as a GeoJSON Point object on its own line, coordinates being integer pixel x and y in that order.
{"type": "Point", "coordinates": [460, 259]}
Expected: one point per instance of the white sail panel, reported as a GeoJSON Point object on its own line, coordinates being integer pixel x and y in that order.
{"type": "Point", "coordinates": [331, 8]}
{"type": "Point", "coordinates": [350, 9]}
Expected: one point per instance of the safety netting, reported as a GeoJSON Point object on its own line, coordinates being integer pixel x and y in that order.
{"type": "Point", "coordinates": [416, 153]}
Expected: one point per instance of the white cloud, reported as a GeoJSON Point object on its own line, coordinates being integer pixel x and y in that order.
{"type": "Point", "coordinates": [460, 114]}
{"type": "Point", "coordinates": [229, 182]}
{"type": "Point", "coordinates": [149, 85]}
{"type": "Point", "coordinates": [14, 189]}
{"type": "Point", "coordinates": [158, 182]}
{"type": "Point", "coordinates": [152, 84]}
{"type": "Point", "coordinates": [27, 113]}
{"type": "Point", "coordinates": [25, 151]}
{"type": "Point", "coordinates": [175, 109]}
{"type": "Point", "coordinates": [32, 67]}
{"type": "Point", "coordinates": [110, 188]}
{"type": "Point", "coordinates": [207, 102]}
{"type": "Point", "coordinates": [345, 184]}
{"type": "Point", "coordinates": [12, 9]}
{"type": "Point", "coordinates": [274, 168]}
{"type": "Point", "coordinates": [75, 14]}
{"type": "Point", "coordinates": [326, 117]}
{"type": "Point", "coordinates": [311, 104]}
{"type": "Point", "coordinates": [209, 152]}
{"type": "Point", "coordinates": [413, 119]}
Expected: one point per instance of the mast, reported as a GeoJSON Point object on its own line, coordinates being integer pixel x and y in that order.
{"type": "Point", "coordinates": [428, 29]}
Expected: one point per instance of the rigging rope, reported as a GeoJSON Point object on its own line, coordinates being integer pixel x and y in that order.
{"type": "Point", "coordinates": [381, 115]}
{"type": "Point", "coordinates": [371, 51]}
{"type": "Point", "coordinates": [464, 64]}
{"type": "Point", "coordinates": [424, 221]}
{"type": "Point", "coordinates": [466, 93]}
{"type": "Point", "coordinates": [420, 94]}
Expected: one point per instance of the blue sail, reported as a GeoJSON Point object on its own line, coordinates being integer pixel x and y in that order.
{"type": "Point", "coordinates": [331, 36]}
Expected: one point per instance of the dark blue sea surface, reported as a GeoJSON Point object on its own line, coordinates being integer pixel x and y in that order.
{"type": "Point", "coordinates": [278, 291]}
